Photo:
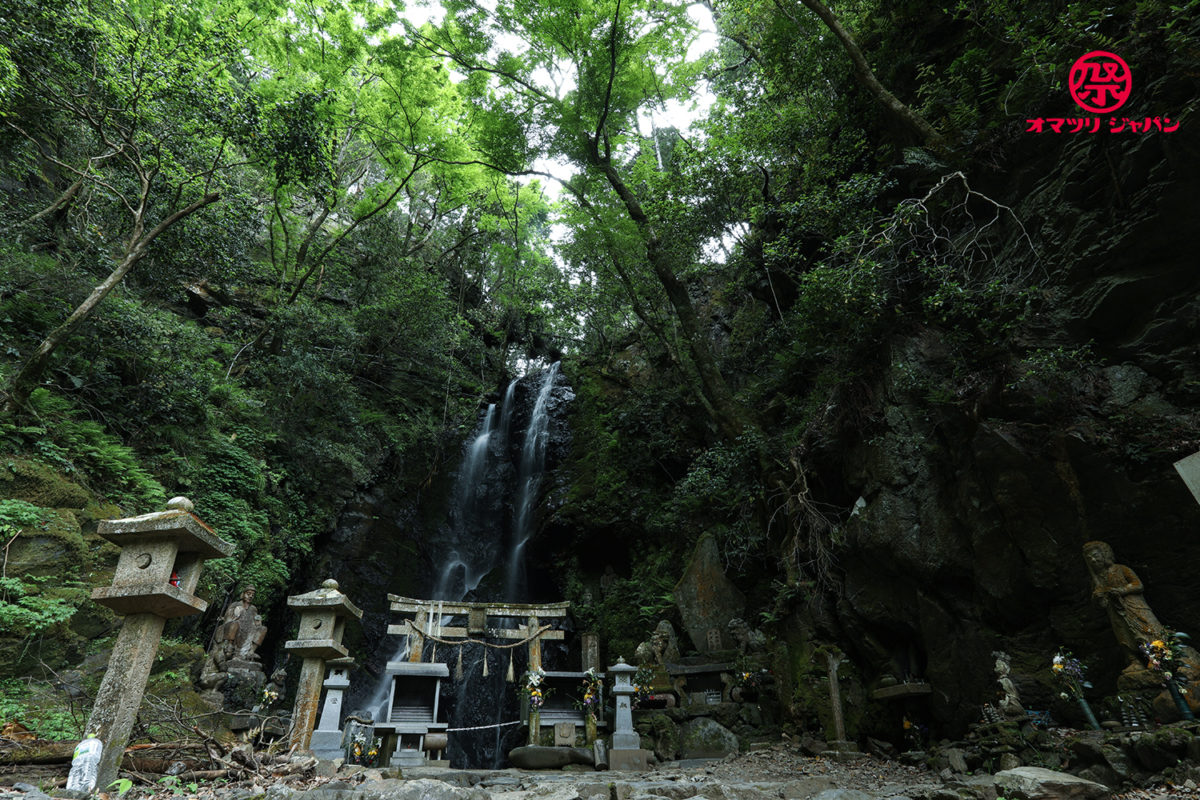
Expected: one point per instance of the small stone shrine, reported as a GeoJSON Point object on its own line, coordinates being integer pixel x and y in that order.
{"type": "Point", "coordinates": [411, 713]}
{"type": "Point", "coordinates": [157, 572]}
{"type": "Point", "coordinates": [323, 615]}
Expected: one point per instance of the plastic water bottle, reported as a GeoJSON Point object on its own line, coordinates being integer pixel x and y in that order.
{"type": "Point", "coordinates": [85, 765]}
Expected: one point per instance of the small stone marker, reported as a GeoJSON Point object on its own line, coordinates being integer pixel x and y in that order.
{"type": "Point", "coordinates": [158, 569]}
{"type": "Point", "coordinates": [626, 752]}
{"type": "Point", "coordinates": [327, 738]}
{"type": "Point", "coordinates": [323, 616]}
{"type": "Point", "coordinates": [564, 734]}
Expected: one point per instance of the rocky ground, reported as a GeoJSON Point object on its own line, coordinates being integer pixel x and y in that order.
{"type": "Point", "coordinates": [781, 772]}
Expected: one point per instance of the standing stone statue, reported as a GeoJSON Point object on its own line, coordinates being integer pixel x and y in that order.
{"type": "Point", "coordinates": [1010, 703]}
{"type": "Point", "coordinates": [242, 627]}
{"type": "Point", "coordinates": [1118, 590]}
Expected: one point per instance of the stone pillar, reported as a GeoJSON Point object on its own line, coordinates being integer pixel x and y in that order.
{"type": "Point", "coordinates": [327, 738]}
{"type": "Point", "coordinates": [157, 571]}
{"type": "Point", "coordinates": [626, 753]}
{"type": "Point", "coordinates": [416, 641]}
{"type": "Point", "coordinates": [323, 616]}
{"type": "Point", "coordinates": [590, 646]}
{"type": "Point", "coordinates": [840, 744]}
{"type": "Point", "coordinates": [535, 645]}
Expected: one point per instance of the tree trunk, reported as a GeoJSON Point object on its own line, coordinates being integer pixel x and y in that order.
{"type": "Point", "coordinates": [26, 380]}
{"type": "Point", "coordinates": [910, 120]}
{"type": "Point", "coordinates": [731, 417]}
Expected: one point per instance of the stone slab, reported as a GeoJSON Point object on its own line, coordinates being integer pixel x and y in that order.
{"type": "Point", "coordinates": [914, 689]}
{"type": "Point", "coordinates": [1189, 469]}
{"type": "Point", "coordinates": [163, 599]}
{"type": "Point", "coordinates": [1035, 783]}
{"type": "Point", "coordinates": [434, 669]}
{"type": "Point", "coordinates": [629, 760]}
{"type": "Point", "coordinates": [181, 527]}
{"type": "Point", "coordinates": [316, 648]}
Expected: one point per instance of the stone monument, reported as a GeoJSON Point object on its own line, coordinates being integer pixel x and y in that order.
{"type": "Point", "coordinates": [706, 598]}
{"type": "Point", "coordinates": [323, 616]}
{"type": "Point", "coordinates": [157, 572]}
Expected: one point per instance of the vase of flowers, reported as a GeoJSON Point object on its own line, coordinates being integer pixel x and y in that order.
{"type": "Point", "coordinates": [1165, 656]}
{"type": "Point", "coordinates": [589, 702]}
{"type": "Point", "coordinates": [535, 695]}
{"type": "Point", "coordinates": [1069, 673]}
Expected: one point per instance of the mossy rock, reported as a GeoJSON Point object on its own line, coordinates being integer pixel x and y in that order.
{"type": "Point", "coordinates": [661, 733]}
{"type": "Point", "coordinates": [53, 547]}
{"type": "Point", "coordinates": [36, 483]}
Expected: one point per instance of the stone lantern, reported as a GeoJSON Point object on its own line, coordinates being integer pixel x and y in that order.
{"type": "Point", "coordinates": [323, 615]}
{"type": "Point", "coordinates": [158, 569]}
{"type": "Point", "coordinates": [626, 752]}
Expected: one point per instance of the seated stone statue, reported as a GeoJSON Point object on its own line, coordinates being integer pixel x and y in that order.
{"type": "Point", "coordinates": [241, 626]}
{"type": "Point", "coordinates": [748, 639]}
{"type": "Point", "coordinates": [661, 649]}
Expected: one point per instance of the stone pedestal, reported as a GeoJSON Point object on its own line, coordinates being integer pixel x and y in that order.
{"type": "Point", "coordinates": [626, 752]}
{"type": "Point", "coordinates": [323, 616]}
{"type": "Point", "coordinates": [157, 571]}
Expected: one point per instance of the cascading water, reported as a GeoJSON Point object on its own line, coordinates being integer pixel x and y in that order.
{"type": "Point", "coordinates": [491, 520]}
{"type": "Point", "coordinates": [529, 479]}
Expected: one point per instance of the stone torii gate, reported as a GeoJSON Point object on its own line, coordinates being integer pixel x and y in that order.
{"type": "Point", "coordinates": [427, 616]}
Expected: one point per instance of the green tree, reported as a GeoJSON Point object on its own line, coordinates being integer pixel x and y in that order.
{"type": "Point", "coordinates": [118, 112]}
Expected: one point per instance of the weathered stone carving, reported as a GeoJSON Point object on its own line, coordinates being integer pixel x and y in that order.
{"type": "Point", "coordinates": [242, 627]}
{"type": "Point", "coordinates": [661, 648]}
{"type": "Point", "coordinates": [1118, 590]}
{"type": "Point", "coordinates": [748, 639]}
{"type": "Point", "coordinates": [1010, 703]}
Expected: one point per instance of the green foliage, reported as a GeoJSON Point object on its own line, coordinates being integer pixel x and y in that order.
{"type": "Point", "coordinates": [39, 709]}
{"type": "Point", "coordinates": [83, 448]}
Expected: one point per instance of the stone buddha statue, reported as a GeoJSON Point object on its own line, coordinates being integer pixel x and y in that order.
{"type": "Point", "coordinates": [242, 627]}
{"type": "Point", "coordinates": [1118, 590]}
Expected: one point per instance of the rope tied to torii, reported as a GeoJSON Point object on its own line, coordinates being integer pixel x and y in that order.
{"type": "Point", "coordinates": [451, 643]}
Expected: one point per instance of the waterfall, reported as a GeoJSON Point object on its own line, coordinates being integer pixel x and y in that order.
{"type": "Point", "coordinates": [529, 480]}
{"type": "Point", "coordinates": [491, 518]}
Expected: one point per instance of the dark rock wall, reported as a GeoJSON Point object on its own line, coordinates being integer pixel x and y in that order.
{"type": "Point", "coordinates": [975, 512]}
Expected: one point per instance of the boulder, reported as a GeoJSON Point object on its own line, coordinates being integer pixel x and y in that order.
{"type": "Point", "coordinates": [706, 598]}
{"type": "Point", "coordinates": [706, 738]}
{"type": "Point", "coordinates": [1035, 783]}
{"type": "Point", "coordinates": [537, 757]}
